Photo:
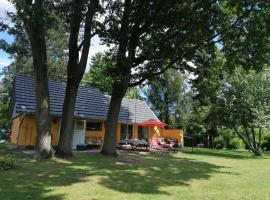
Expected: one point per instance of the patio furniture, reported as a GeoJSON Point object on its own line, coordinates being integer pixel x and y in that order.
{"type": "Point", "coordinates": [133, 144]}
{"type": "Point", "coordinates": [95, 142]}
{"type": "Point", "coordinates": [142, 143]}
{"type": "Point", "coordinates": [156, 145]}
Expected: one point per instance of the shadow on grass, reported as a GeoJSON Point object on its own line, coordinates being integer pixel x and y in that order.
{"type": "Point", "coordinates": [148, 174]}
{"type": "Point", "coordinates": [231, 154]}
{"type": "Point", "coordinates": [128, 173]}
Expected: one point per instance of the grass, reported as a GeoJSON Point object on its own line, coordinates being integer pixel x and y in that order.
{"type": "Point", "coordinates": [203, 174]}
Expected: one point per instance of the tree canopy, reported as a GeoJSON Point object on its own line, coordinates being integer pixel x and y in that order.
{"type": "Point", "coordinates": [243, 105]}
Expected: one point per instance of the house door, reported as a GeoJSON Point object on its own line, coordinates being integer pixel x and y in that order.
{"type": "Point", "coordinates": [78, 134]}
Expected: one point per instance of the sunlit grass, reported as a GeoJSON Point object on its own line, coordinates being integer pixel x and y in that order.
{"type": "Point", "coordinates": [203, 174]}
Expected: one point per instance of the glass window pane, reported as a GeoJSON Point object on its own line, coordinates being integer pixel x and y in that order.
{"type": "Point", "coordinates": [94, 126]}
{"type": "Point", "coordinates": [142, 132]}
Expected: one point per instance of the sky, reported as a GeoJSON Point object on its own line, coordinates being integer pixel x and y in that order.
{"type": "Point", "coordinates": [5, 58]}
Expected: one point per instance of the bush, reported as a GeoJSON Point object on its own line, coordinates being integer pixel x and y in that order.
{"type": "Point", "coordinates": [8, 162]}
{"type": "Point", "coordinates": [235, 143]}
{"type": "Point", "coordinates": [219, 142]}
{"type": "Point", "coordinates": [227, 139]}
{"type": "Point", "coordinates": [266, 142]}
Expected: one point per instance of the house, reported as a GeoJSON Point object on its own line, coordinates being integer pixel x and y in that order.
{"type": "Point", "coordinates": [90, 115]}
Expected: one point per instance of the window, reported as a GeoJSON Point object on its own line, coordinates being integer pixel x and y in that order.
{"type": "Point", "coordinates": [94, 126]}
{"type": "Point", "coordinates": [126, 134]}
{"type": "Point", "coordinates": [142, 132]}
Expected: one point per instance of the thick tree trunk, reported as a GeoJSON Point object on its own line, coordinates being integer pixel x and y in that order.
{"type": "Point", "coordinates": [255, 149]}
{"type": "Point", "coordinates": [67, 124]}
{"type": "Point", "coordinates": [76, 67]}
{"type": "Point", "coordinates": [43, 123]}
{"type": "Point", "coordinates": [35, 28]}
{"type": "Point", "coordinates": [109, 145]}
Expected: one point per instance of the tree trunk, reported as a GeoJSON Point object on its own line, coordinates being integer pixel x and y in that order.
{"type": "Point", "coordinates": [43, 123]}
{"type": "Point", "coordinates": [109, 145]}
{"type": "Point", "coordinates": [256, 150]}
{"type": "Point", "coordinates": [67, 124]}
{"type": "Point", "coordinates": [76, 67]}
{"type": "Point", "coordinates": [35, 28]}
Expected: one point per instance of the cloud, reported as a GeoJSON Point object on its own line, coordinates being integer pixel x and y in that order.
{"type": "Point", "coordinates": [4, 63]}
{"type": "Point", "coordinates": [95, 48]}
{"type": "Point", "coordinates": [4, 7]}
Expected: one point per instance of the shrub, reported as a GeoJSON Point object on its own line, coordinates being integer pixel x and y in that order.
{"type": "Point", "coordinates": [219, 142]}
{"type": "Point", "coordinates": [266, 142]}
{"type": "Point", "coordinates": [227, 139]}
{"type": "Point", "coordinates": [8, 162]}
{"type": "Point", "coordinates": [235, 143]}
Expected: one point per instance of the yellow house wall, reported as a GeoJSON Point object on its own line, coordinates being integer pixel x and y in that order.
{"type": "Point", "coordinates": [14, 130]}
{"type": "Point", "coordinates": [27, 136]}
{"type": "Point", "coordinates": [174, 134]}
{"type": "Point", "coordinates": [24, 130]}
{"type": "Point", "coordinates": [170, 133]}
{"type": "Point", "coordinates": [91, 134]}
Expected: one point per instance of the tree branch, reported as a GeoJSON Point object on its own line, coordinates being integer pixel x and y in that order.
{"type": "Point", "coordinates": [151, 75]}
{"type": "Point", "coordinates": [92, 7]}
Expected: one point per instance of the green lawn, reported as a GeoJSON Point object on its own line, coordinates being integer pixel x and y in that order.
{"type": "Point", "coordinates": [200, 175]}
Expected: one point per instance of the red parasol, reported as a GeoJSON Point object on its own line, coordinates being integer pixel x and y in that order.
{"type": "Point", "coordinates": [151, 122]}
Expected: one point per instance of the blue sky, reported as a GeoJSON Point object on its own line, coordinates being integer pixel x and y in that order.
{"type": "Point", "coordinates": [4, 57]}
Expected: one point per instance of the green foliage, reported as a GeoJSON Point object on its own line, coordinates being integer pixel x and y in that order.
{"type": "Point", "coordinates": [100, 74]}
{"type": "Point", "coordinates": [266, 141]}
{"type": "Point", "coordinates": [4, 122]}
{"type": "Point", "coordinates": [235, 143]}
{"type": "Point", "coordinates": [133, 93]}
{"type": "Point", "coordinates": [244, 100]}
{"type": "Point", "coordinates": [219, 142]}
{"type": "Point", "coordinates": [243, 105]}
{"type": "Point", "coordinates": [248, 43]}
{"type": "Point", "coordinates": [227, 139]}
{"type": "Point", "coordinates": [167, 98]}
{"type": "Point", "coordinates": [20, 53]}
{"type": "Point", "coordinates": [7, 162]}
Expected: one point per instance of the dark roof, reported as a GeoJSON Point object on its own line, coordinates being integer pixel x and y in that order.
{"type": "Point", "coordinates": [90, 102]}
{"type": "Point", "coordinates": [133, 110]}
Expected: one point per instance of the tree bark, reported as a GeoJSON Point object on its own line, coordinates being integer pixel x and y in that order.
{"type": "Point", "coordinates": [256, 150]}
{"type": "Point", "coordinates": [109, 145]}
{"type": "Point", "coordinates": [67, 125]}
{"type": "Point", "coordinates": [76, 67]}
{"type": "Point", "coordinates": [35, 28]}
{"type": "Point", "coordinates": [43, 123]}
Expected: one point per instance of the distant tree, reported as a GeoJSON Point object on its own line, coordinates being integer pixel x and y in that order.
{"type": "Point", "coordinates": [165, 95]}
{"type": "Point", "coordinates": [101, 73]}
{"type": "Point", "coordinates": [134, 93]}
{"type": "Point", "coordinates": [210, 67]}
{"type": "Point", "coordinates": [243, 106]}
